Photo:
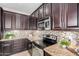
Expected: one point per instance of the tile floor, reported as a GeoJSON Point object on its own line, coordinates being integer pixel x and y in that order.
{"type": "Point", "coordinates": [23, 53]}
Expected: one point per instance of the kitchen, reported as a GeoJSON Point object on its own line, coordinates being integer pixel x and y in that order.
{"type": "Point", "coordinates": [39, 29]}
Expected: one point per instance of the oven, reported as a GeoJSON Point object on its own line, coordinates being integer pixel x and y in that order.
{"type": "Point", "coordinates": [36, 51]}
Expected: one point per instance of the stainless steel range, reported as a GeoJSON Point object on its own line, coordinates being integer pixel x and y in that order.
{"type": "Point", "coordinates": [39, 45]}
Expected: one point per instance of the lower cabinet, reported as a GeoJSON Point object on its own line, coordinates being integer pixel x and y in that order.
{"type": "Point", "coordinates": [14, 46]}
{"type": "Point", "coordinates": [6, 48]}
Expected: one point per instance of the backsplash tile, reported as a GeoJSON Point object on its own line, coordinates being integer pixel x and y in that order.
{"type": "Point", "coordinates": [37, 35]}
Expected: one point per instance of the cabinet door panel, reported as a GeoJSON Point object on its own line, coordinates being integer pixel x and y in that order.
{"type": "Point", "coordinates": [8, 18]}
{"type": "Point", "coordinates": [41, 12]}
{"type": "Point", "coordinates": [72, 15]}
{"type": "Point", "coordinates": [47, 9]}
{"type": "Point", "coordinates": [24, 22]}
{"type": "Point", "coordinates": [56, 16]}
{"type": "Point", "coordinates": [18, 21]}
{"type": "Point", "coordinates": [32, 23]}
{"type": "Point", "coordinates": [36, 14]}
{"type": "Point", "coordinates": [13, 22]}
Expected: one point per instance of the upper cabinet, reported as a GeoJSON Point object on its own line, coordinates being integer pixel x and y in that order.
{"type": "Point", "coordinates": [14, 21]}
{"type": "Point", "coordinates": [62, 16]}
{"type": "Point", "coordinates": [72, 20]}
{"type": "Point", "coordinates": [8, 19]}
{"type": "Point", "coordinates": [36, 14]}
{"type": "Point", "coordinates": [47, 10]}
{"type": "Point", "coordinates": [18, 21]}
{"type": "Point", "coordinates": [56, 16]}
{"type": "Point", "coordinates": [24, 20]}
{"type": "Point", "coordinates": [41, 12]}
{"type": "Point", "coordinates": [32, 23]}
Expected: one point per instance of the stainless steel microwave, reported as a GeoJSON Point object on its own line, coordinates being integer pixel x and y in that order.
{"type": "Point", "coordinates": [44, 24]}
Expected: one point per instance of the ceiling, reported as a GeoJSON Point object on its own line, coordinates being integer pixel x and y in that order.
{"type": "Point", "coordinates": [24, 8]}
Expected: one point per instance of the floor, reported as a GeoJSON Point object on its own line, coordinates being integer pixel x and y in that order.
{"type": "Point", "coordinates": [24, 53]}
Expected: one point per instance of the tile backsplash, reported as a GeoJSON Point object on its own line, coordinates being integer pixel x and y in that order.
{"type": "Point", "coordinates": [36, 35]}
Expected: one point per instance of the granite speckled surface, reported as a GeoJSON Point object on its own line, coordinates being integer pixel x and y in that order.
{"type": "Point", "coordinates": [56, 50]}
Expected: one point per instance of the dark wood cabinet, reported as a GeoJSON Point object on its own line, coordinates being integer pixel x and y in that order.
{"type": "Point", "coordinates": [18, 21]}
{"type": "Point", "coordinates": [41, 12]}
{"type": "Point", "coordinates": [32, 23]}
{"type": "Point", "coordinates": [72, 20]}
{"type": "Point", "coordinates": [63, 13]}
{"type": "Point", "coordinates": [47, 10]}
{"type": "Point", "coordinates": [10, 47]}
{"type": "Point", "coordinates": [36, 14]}
{"type": "Point", "coordinates": [9, 20]}
{"type": "Point", "coordinates": [24, 22]}
{"type": "Point", "coordinates": [13, 21]}
{"type": "Point", "coordinates": [56, 16]}
{"type": "Point", "coordinates": [6, 48]}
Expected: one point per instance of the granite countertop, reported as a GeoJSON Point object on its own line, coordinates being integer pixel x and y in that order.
{"type": "Point", "coordinates": [12, 39]}
{"type": "Point", "coordinates": [56, 50]}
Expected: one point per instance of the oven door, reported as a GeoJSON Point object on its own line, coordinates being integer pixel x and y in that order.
{"type": "Point", "coordinates": [37, 51]}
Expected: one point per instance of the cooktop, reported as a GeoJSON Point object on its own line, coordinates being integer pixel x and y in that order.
{"type": "Point", "coordinates": [41, 44]}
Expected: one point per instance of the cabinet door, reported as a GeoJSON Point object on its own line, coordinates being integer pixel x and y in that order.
{"type": "Point", "coordinates": [24, 22]}
{"type": "Point", "coordinates": [7, 18]}
{"type": "Point", "coordinates": [63, 12]}
{"type": "Point", "coordinates": [36, 14]}
{"type": "Point", "coordinates": [13, 24]}
{"type": "Point", "coordinates": [41, 12]}
{"type": "Point", "coordinates": [32, 23]}
{"type": "Point", "coordinates": [7, 48]}
{"type": "Point", "coordinates": [47, 9]}
{"type": "Point", "coordinates": [18, 21]}
{"type": "Point", "coordinates": [56, 15]}
{"type": "Point", "coordinates": [72, 15]}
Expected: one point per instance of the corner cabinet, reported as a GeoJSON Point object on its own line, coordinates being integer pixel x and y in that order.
{"type": "Point", "coordinates": [32, 23]}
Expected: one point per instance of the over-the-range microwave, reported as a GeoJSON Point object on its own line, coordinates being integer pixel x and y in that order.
{"type": "Point", "coordinates": [44, 24]}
